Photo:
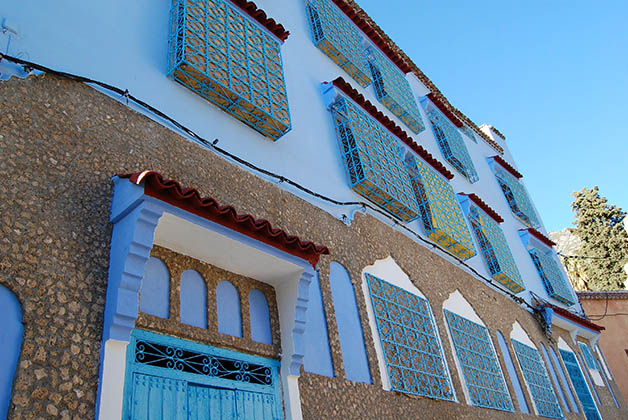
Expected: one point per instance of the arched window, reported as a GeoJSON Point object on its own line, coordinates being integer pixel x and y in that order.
{"type": "Point", "coordinates": [260, 317]}
{"type": "Point", "coordinates": [349, 327]}
{"type": "Point", "coordinates": [193, 299]}
{"type": "Point", "coordinates": [155, 289]}
{"type": "Point", "coordinates": [514, 379]}
{"type": "Point", "coordinates": [228, 309]}
{"type": "Point", "coordinates": [11, 339]}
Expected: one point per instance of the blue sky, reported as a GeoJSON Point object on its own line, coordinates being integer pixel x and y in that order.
{"type": "Point", "coordinates": [552, 76]}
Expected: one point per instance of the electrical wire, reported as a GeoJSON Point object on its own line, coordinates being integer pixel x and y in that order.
{"type": "Point", "coordinates": [29, 66]}
{"type": "Point", "coordinates": [580, 256]}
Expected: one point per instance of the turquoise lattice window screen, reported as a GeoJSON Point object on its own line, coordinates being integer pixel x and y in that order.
{"type": "Point", "coordinates": [336, 36]}
{"type": "Point", "coordinates": [517, 197]}
{"type": "Point", "coordinates": [478, 361]}
{"type": "Point", "coordinates": [228, 59]}
{"type": "Point", "coordinates": [393, 90]}
{"type": "Point", "coordinates": [440, 212]}
{"type": "Point", "coordinates": [538, 381]}
{"type": "Point", "coordinates": [579, 385]}
{"type": "Point", "coordinates": [495, 250]}
{"type": "Point", "coordinates": [450, 143]}
{"type": "Point", "coordinates": [552, 277]}
{"type": "Point", "coordinates": [412, 349]}
{"type": "Point", "coordinates": [588, 356]}
{"type": "Point", "coordinates": [373, 160]}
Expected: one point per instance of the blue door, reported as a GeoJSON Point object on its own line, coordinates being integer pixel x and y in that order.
{"type": "Point", "coordinates": [169, 378]}
{"type": "Point", "coordinates": [580, 385]}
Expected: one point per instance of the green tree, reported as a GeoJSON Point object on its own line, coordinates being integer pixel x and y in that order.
{"type": "Point", "coordinates": [600, 227]}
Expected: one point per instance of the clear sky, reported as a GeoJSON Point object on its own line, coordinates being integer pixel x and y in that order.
{"type": "Point", "coordinates": [552, 76]}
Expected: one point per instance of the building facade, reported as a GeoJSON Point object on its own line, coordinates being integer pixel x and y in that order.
{"type": "Point", "coordinates": [206, 215]}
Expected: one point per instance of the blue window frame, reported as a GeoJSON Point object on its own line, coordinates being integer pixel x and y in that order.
{"type": "Point", "coordinates": [225, 57]}
{"type": "Point", "coordinates": [476, 356]}
{"type": "Point", "coordinates": [373, 160]}
{"type": "Point", "coordinates": [336, 36]}
{"type": "Point", "coordinates": [410, 342]}
{"type": "Point", "coordinates": [450, 142]}
{"type": "Point", "coordinates": [552, 371]}
{"type": "Point", "coordinates": [538, 381]}
{"type": "Point", "coordinates": [579, 385]}
{"type": "Point", "coordinates": [514, 378]}
{"type": "Point", "coordinates": [552, 277]}
{"type": "Point", "coordinates": [172, 378]}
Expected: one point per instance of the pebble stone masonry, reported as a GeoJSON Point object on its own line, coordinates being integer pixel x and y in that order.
{"type": "Point", "coordinates": [60, 144]}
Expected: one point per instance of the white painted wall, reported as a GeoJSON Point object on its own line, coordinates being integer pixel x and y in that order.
{"type": "Point", "coordinates": [113, 374]}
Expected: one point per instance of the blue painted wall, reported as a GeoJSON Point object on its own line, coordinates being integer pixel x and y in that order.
{"type": "Point", "coordinates": [10, 345]}
{"type": "Point", "coordinates": [260, 317]}
{"type": "Point", "coordinates": [193, 299]}
{"type": "Point", "coordinates": [349, 327]}
{"type": "Point", "coordinates": [228, 308]}
{"type": "Point", "coordinates": [514, 379]}
{"type": "Point", "coordinates": [155, 290]}
{"type": "Point", "coordinates": [317, 357]}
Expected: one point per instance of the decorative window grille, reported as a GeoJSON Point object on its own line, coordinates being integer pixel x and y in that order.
{"type": "Point", "coordinates": [552, 277]}
{"type": "Point", "coordinates": [579, 385]}
{"type": "Point", "coordinates": [499, 260]}
{"type": "Point", "coordinates": [469, 133]}
{"type": "Point", "coordinates": [538, 381]}
{"type": "Point", "coordinates": [410, 342]}
{"type": "Point", "coordinates": [373, 160]}
{"type": "Point", "coordinates": [588, 356]}
{"type": "Point", "coordinates": [225, 57]}
{"type": "Point", "coordinates": [335, 35]}
{"type": "Point", "coordinates": [517, 197]}
{"type": "Point", "coordinates": [450, 143]}
{"type": "Point", "coordinates": [393, 90]}
{"type": "Point", "coordinates": [440, 212]}
{"type": "Point", "coordinates": [478, 361]}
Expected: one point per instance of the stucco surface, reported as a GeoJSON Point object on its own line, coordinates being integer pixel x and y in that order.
{"type": "Point", "coordinates": [61, 141]}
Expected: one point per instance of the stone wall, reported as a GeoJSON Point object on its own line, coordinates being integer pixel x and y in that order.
{"type": "Point", "coordinates": [61, 141]}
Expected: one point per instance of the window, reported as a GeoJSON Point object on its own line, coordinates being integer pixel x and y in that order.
{"type": "Point", "coordinates": [439, 211]}
{"type": "Point", "coordinates": [155, 289]}
{"type": "Point", "coordinates": [228, 309]}
{"type": "Point", "coordinates": [450, 142]}
{"type": "Point", "coordinates": [373, 160]}
{"type": "Point", "coordinates": [336, 36]}
{"type": "Point", "coordinates": [551, 276]}
{"type": "Point", "coordinates": [552, 372]}
{"type": "Point", "coordinates": [230, 60]}
{"type": "Point", "coordinates": [563, 377]}
{"type": "Point", "coordinates": [514, 378]}
{"type": "Point", "coordinates": [410, 342]}
{"type": "Point", "coordinates": [259, 317]}
{"type": "Point", "coordinates": [495, 250]}
{"type": "Point", "coordinates": [193, 299]}
{"type": "Point", "coordinates": [588, 356]}
{"type": "Point", "coordinates": [393, 90]}
{"type": "Point", "coordinates": [515, 193]}
{"type": "Point", "coordinates": [537, 379]}
{"type": "Point", "coordinates": [482, 375]}
{"type": "Point", "coordinates": [579, 384]}
{"type": "Point", "coordinates": [587, 374]}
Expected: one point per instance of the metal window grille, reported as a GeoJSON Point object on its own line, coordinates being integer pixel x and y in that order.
{"type": "Point", "coordinates": [478, 361]}
{"type": "Point", "coordinates": [373, 160]}
{"type": "Point", "coordinates": [440, 212]}
{"type": "Point", "coordinates": [450, 143]}
{"type": "Point", "coordinates": [556, 285]}
{"type": "Point", "coordinates": [536, 377]}
{"type": "Point", "coordinates": [469, 133]}
{"type": "Point", "coordinates": [588, 356]}
{"type": "Point", "coordinates": [335, 35]}
{"type": "Point", "coordinates": [517, 197]}
{"type": "Point", "coordinates": [393, 90]}
{"type": "Point", "coordinates": [499, 260]}
{"type": "Point", "coordinates": [226, 58]}
{"type": "Point", "coordinates": [412, 349]}
{"type": "Point", "coordinates": [579, 385]}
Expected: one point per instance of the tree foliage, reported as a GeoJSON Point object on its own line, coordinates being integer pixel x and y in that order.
{"type": "Point", "coordinates": [600, 227]}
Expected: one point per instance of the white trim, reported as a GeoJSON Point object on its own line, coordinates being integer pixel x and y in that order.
{"type": "Point", "coordinates": [607, 371]}
{"type": "Point", "coordinates": [113, 374]}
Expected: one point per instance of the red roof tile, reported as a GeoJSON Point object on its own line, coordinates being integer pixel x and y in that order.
{"type": "Point", "coordinates": [259, 15]}
{"type": "Point", "coordinates": [348, 90]}
{"type": "Point", "coordinates": [507, 166]}
{"type": "Point", "coordinates": [538, 235]}
{"type": "Point", "coordinates": [487, 209]}
{"type": "Point", "coordinates": [575, 318]}
{"type": "Point", "coordinates": [208, 208]}
{"type": "Point", "coordinates": [438, 101]}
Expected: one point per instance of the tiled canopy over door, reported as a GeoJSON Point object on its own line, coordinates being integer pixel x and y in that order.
{"type": "Point", "coordinates": [580, 385]}
{"type": "Point", "coordinates": [224, 56]}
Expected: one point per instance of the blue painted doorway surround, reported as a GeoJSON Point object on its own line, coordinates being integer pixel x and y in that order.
{"type": "Point", "coordinates": [172, 378]}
